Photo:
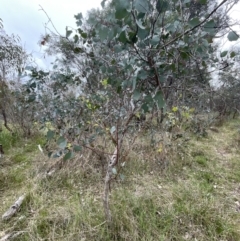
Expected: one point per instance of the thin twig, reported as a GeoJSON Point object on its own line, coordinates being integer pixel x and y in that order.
{"type": "Point", "coordinates": [49, 19]}
{"type": "Point", "coordinates": [195, 27]}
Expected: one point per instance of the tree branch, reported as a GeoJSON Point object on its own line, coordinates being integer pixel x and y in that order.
{"type": "Point", "coordinates": [195, 27]}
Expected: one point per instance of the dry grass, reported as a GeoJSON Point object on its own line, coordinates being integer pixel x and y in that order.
{"type": "Point", "coordinates": [195, 195]}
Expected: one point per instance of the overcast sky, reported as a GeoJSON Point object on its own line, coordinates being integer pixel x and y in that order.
{"type": "Point", "coordinates": [25, 19]}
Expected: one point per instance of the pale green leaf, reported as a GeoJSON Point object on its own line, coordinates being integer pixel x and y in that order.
{"type": "Point", "coordinates": [113, 129]}
{"type": "Point", "coordinates": [162, 6]}
{"type": "Point", "coordinates": [136, 95]}
{"type": "Point", "coordinates": [194, 22]}
{"type": "Point", "coordinates": [122, 177]}
{"type": "Point", "coordinates": [142, 33]}
{"type": "Point", "coordinates": [50, 134]}
{"type": "Point", "coordinates": [209, 27]}
{"type": "Point", "coordinates": [77, 148]}
{"type": "Point", "coordinates": [145, 108]}
{"type": "Point", "coordinates": [78, 17]}
{"type": "Point", "coordinates": [103, 33]}
{"type": "Point", "coordinates": [68, 33]}
{"type": "Point", "coordinates": [134, 82]}
{"type": "Point", "coordinates": [122, 4]}
{"type": "Point", "coordinates": [117, 48]}
{"type": "Point", "coordinates": [139, 23]}
{"type": "Point", "coordinates": [122, 37]}
{"type": "Point", "coordinates": [62, 143]}
{"type": "Point", "coordinates": [233, 36]}
{"type": "Point", "coordinates": [141, 6]}
{"type": "Point", "coordinates": [223, 54]}
{"type": "Point", "coordinates": [68, 156]}
{"type": "Point", "coordinates": [159, 99]}
{"type": "Point", "coordinates": [155, 39]}
{"type": "Point", "coordinates": [121, 13]}
{"type": "Point", "coordinates": [142, 74]}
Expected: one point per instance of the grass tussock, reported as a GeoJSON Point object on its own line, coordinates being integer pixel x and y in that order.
{"type": "Point", "coordinates": [189, 194]}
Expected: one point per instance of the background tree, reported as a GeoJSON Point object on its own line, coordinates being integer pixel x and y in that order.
{"type": "Point", "coordinates": [13, 60]}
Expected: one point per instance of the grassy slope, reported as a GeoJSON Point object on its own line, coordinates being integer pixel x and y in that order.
{"type": "Point", "coordinates": [195, 197]}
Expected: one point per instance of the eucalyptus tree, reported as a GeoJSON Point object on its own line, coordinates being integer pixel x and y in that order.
{"type": "Point", "coordinates": [227, 98]}
{"type": "Point", "coordinates": [13, 59]}
{"type": "Point", "coordinates": [128, 58]}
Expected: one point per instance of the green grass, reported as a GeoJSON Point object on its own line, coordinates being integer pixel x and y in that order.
{"type": "Point", "coordinates": [8, 140]}
{"type": "Point", "coordinates": [193, 197]}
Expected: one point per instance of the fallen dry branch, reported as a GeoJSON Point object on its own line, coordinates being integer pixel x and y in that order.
{"type": "Point", "coordinates": [10, 236]}
{"type": "Point", "coordinates": [13, 209]}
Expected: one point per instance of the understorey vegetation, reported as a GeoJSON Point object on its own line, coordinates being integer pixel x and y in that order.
{"type": "Point", "coordinates": [125, 137]}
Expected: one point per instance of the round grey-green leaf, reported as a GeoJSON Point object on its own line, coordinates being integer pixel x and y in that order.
{"type": "Point", "coordinates": [223, 54]}
{"type": "Point", "coordinates": [141, 6]}
{"type": "Point", "coordinates": [62, 143]}
{"type": "Point", "coordinates": [233, 36]}
{"type": "Point", "coordinates": [68, 156]}
{"type": "Point", "coordinates": [50, 134]}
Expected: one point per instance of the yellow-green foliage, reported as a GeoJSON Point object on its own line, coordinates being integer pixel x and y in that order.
{"type": "Point", "coordinates": [179, 116]}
